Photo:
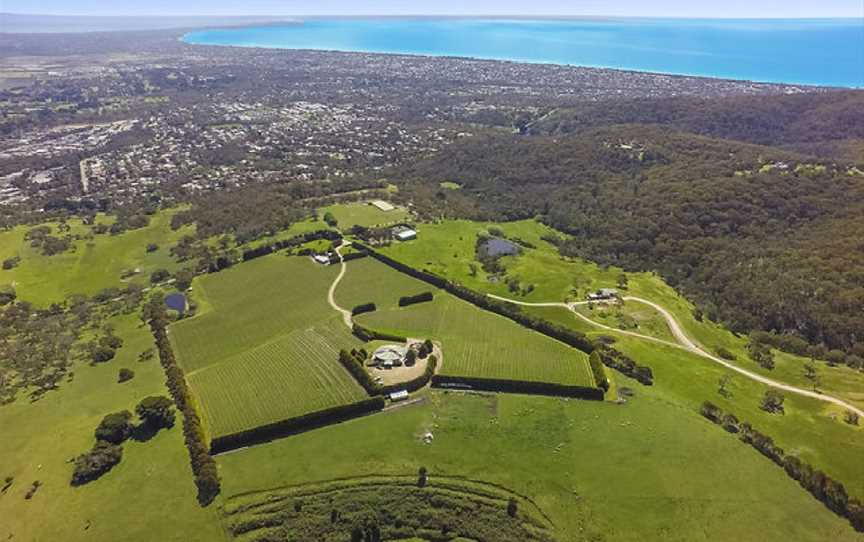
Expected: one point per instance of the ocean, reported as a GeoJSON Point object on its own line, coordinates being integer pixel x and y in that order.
{"type": "Point", "coordinates": [827, 52]}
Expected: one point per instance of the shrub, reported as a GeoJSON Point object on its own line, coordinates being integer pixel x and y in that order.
{"type": "Point", "coordinates": [101, 354]}
{"type": "Point", "coordinates": [512, 507]}
{"type": "Point", "coordinates": [152, 247]}
{"type": "Point", "coordinates": [160, 275]}
{"type": "Point", "coordinates": [115, 428]}
{"type": "Point", "coordinates": [725, 354]}
{"type": "Point", "coordinates": [10, 263]}
{"type": "Point", "coordinates": [96, 462]}
{"type": "Point", "coordinates": [850, 417]}
{"type": "Point", "coordinates": [7, 295]}
{"type": "Point", "coordinates": [32, 490]}
{"type": "Point", "coordinates": [111, 341]}
{"type": "Point", "coordinates": [156, 411]}
{"type": "Point", "coordinates": [711, 411]}
{"type": "Point", "coordinates": [125, 375]}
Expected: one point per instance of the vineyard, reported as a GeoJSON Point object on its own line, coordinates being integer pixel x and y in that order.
{"type": "Point", "coordinates": [249, 305]}
{"type": "Point", "coordinates": [476, 342]}
{"type": "Point", "coordinates": [290, 376]}
{"type": "Point", "coordinates": [257, 355]}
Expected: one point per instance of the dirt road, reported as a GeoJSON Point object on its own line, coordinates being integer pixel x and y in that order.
{"type": "Point", "coordinates": [686, 343]}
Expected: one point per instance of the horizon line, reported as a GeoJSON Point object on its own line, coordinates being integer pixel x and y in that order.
{"type": "Point", "coordinates": [448, 15]}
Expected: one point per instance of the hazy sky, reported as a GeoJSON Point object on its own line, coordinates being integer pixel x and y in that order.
{"type": "Point", "coordinates": [657, 8]}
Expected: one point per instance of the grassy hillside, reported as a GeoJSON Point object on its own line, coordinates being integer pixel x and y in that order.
{"type": "Point", "coordinates": [599, 471]}
{"type": "Point", "coordinates": [148, 496]}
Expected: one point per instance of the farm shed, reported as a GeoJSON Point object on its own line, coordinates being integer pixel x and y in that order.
{"type": "Point", "coordinates": [382, 205]}
{"type": "Point", "coordinates": [406, 234]}
{"type": "Point", "coordinates": [400, 395]}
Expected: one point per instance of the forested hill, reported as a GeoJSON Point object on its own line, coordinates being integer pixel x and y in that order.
{"type": "Point", "coordinates": [793, 119]}
{"type": "Point", "coordinates": [759, 237]}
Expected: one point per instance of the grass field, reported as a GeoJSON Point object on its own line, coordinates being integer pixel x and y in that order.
{"type": "Point", "coordinates": [447, 248]}
{"type": "Point", "coordinates": [265, 346]}
{"type": "Point", "coordinates": [148, 496]}
{"type": "Point", "coordinates": [600, 471]}
{"type": "Point", "coordinates": [364, 214]}
{"type": "Point", "coordinates": [475, 342]}
{"type": "Point", "coordinates": [93, 264]}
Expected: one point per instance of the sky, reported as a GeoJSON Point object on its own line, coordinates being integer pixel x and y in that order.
{"type": "Point", "coordinates": [634, 8]}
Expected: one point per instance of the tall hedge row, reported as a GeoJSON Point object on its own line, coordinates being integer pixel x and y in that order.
{"type": "Point", "coordinates": [353, 256]}
{"type": "Point", "coordinates": [827, 490]}
{"type": "Point", "coordinates": [295, 241]}
{"type": "Point", "coordinates": [355, 366]}
{"type": "Point", "coordinates": [295, 425]}
{"type": "Point", "coordinates": [619, 361]}
{"type": "Point", "coordinates": [596, 364]}
{"type": "Point", "coordinates": [203, 466]}
{"type": "Point", "coordinates": [404, 301]}
{"type": "Point", "coordinates": [517, 386]}
{"type": "Point", "coordinates": [508, 310]}
{"type": "Point", "coordinates": [365, 334]}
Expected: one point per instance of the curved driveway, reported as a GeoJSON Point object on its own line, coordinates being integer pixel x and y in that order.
{"type": "Point", "coordinates": [686, 343]}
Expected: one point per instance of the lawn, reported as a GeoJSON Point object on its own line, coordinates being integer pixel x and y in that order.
{"type": "Point", "coordinates": [260, 354]}
{"type": "Point", "coordinates": [475, 342]}
{"type": "Point", "coordinates": [150, 495]}
{"type": "Point", "coordinates": [600, 471]}
{"type": "Point", "coordinates": [92, 264]}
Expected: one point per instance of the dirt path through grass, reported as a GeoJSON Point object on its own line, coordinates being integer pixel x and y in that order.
{"type": "Point", "coordinates": [346, 314]}
{"type": "Point", "coordinates": [686, 343]}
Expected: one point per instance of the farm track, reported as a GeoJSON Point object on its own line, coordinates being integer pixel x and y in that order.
{"type": "Point", "coordinates": [331, 298]}
{"type": "Point", "coordinates": [685, 343]}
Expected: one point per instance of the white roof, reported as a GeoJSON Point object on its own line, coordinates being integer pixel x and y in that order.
{"type": "Point", "coordinates": [390, 352]}
{"type": "Point", "coordinates": [401, 394]}
{"type": "Point", "coordinates": [406, 234]}
{"type": "Point", "coordinates": [383, 205]}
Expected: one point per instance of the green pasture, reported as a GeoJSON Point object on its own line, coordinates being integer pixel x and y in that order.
{"type": "Point", "coordinates": [150, 495]}
{"type": "Point", "coordinates": [599, 471]}
{"type": "Point", "coordinates": [363, 213]}
{"type": "Point", "coordinates": [93, 263]}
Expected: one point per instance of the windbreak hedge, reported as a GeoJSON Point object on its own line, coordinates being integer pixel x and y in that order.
{"type": "Point", "coordinates": [596, 364]}
{"type": "Point", "coordinates": [294, 425]}
{"type": "Point", "coordinates": [517, 386]}
{"type": "Point", "coordinates": [365, 334]}
{"type": "Point", "coordinates": [295, 241]}
{"type": "Point", "coordinates": [404, 301]}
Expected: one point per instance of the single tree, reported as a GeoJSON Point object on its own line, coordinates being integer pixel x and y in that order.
{"type": "Point", "coordinates": [125, 375]}
{"type": "Point", "coordinates": [512, 507]}
{"type": "Point", "coordinates": [772, 401]}
{"type": "Point", "coordinates": [422, 477]}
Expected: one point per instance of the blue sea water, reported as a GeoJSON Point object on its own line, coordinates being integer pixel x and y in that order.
{"type": "Point", "coordinates": [801, 51]}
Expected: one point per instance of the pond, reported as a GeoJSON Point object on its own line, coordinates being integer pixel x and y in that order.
{"type": "Point", "coordinates": [496, 247]}
{"type": "Point", "coordinates": [176, 301]}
